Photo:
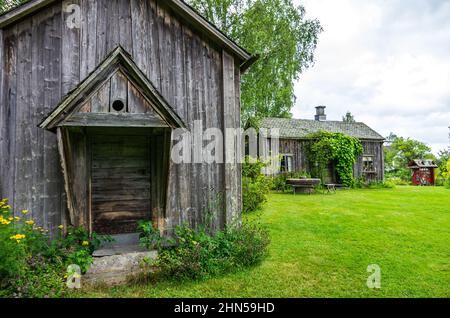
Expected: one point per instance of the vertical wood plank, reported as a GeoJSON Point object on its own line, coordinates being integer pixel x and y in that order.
{"type": "Point", "coordinates": [154, 73]}
{"type": "Point", "coordinates": [102, 31]}
{"type": "Point", "coordinates": [112, 25]}
{"type": "Point", "coordinates": [64, 150]}
{"type": "Point", "coordinates": [125, 25]}
{"type": "Point", "coordinates": [140, 33]}
{"type": "Point", "coordinates": [119, 91]}
{"type": "Point", "coordinates": [53, 188]}
{"type": "Point", "coordinates": [231, 167]}
{"type": "Point", "coordinates": [100, 99]}
{"type": "Point", "coordinates": [23, 163]}
{"type": "Point", "coordinates": [88, 47]}
{"type": "Point", "coordinates": [237, 124]}
{"type": "Point", "coordinates": [37, 107]}
{"type": "Point", "coordinates": [70, 73]}
{"type": "Point", "coordinates": [8, 110]}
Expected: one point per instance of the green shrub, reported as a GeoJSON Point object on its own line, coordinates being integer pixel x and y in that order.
{"type": "Point", "coordinates": [255, 186]}
{"type": "Point", "coordinates": [254, 193]}
{"type": "Point", "coordinates": [33, 265]}
{"type": "Point", "coordinates": [149, 235]}
{"type": "Point", "coordinates": [194, 254]}
{"type": "Point", "coordinates": [398, 181]}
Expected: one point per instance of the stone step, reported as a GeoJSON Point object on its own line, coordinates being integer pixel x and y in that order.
{"type": "Point", "coordinates": [116, 269]}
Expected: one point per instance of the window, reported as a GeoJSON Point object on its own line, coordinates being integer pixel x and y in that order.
{"type": "Point", "coordinates": [368, 165]}
{"type": "Point", "coordinates": [287, 163]}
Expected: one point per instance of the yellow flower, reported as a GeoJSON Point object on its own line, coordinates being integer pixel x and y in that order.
{"type": "Point", "coordinates": [17, 218]}
{"type": "Point", "coordinates": [85, 243]}
{"type": "Point", "coordinates": [4, 222]}
{"type": "Point", "coordinates": [10, 219]}
{"type": "Point", "coordinates": [25, 211]}
{"type": "Point", "coordinates": [61, 227]}
{"type": "Point", "coordinates": [4, 200]}
{"type": "Point", "coordinates": [30, 222]}
{"type": "Point", "coordinates": [17, 237]}
{"type": "Point", "coordinates": [7, 206]}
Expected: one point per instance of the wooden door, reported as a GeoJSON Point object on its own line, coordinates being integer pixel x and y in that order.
{"type": "Point", "coordinates": [120, 189]}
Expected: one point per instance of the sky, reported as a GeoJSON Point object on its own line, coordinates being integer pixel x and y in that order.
{"type": "Point", "coordinates": [385, 61]}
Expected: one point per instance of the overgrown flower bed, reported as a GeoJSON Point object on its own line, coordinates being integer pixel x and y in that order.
{"type": "Point", "coordinates": [33, 265]}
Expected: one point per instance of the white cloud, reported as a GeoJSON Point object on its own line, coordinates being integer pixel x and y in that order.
{"type": "Point", "coordinates": [388, 62]}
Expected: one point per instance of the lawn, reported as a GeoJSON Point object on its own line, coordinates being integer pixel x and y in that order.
{"type": "Point", "coordinates": [322, 244]}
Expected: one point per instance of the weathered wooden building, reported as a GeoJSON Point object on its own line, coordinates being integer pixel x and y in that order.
{"type": "Point", "coordinates": [90, 94]}
{"type": "Point", "coordinates": [294, 136]}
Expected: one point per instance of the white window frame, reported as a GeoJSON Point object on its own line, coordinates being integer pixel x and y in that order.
{"type": "Point", "coordinates": [372, 160]}
{"type": "Point", "coordinates": [289, 162]}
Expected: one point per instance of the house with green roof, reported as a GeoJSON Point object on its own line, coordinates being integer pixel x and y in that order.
{"type": "Point", "coordinates": [294, 136]}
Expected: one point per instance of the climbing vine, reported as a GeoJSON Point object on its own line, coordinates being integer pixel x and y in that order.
{"type": "Point", "coordinates": [338, 148]}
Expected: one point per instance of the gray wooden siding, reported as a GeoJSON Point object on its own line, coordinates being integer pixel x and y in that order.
{"type": "Point", "coordinates": [45, 59]}
{"type": "Point", "coordinates": [297, 149]}
{"type": "Point", "coordinates": [375, 149]}
{"type": "Point", "coordinates": [30, 174]}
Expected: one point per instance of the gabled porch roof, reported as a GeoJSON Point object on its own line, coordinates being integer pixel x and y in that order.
{"type": "Point", "coordinates": [117, 59]}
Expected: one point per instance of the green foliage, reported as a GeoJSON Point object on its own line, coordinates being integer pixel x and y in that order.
{"type": "Point", "coordinates": [443, 172]}
{"type": "Point", "coordinates": [40, 279]}
{"type": "Point", "coordinates": [31, 263]}
{"type": "Point", "coordinates": [398, 181]}
{"type": "Point", "coordinates": [400, 152]}
{"type": "Point", "coordinates": [6, 5]}
{"type": "Point", "coordinates": [255, 186]}
{"type": "Point", "coordinates": [348, 118]}
{"type": "Point", "coordinates": [82, 258]}
{"type": "Point", "coordinates": [195, 254]}
{"type": "Point", "coordinates": [285, 40]}
{"type": "Point", "coordinates": [341, 149]}
{"type": "Point", "coordinates": [149, 235]}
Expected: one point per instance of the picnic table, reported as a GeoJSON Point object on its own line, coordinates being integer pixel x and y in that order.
{"type": "Point", "coordinates": [304, 185]}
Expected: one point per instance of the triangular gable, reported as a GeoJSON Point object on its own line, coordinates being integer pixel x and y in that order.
{"type": "Point", "coordinates": [145, 105]}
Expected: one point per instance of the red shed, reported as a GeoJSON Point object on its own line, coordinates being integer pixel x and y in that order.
{"type": "Point", "coordinates": [422, 172]}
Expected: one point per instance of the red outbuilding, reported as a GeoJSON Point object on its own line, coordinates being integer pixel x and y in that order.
{"type": "Point", "coordinates": [422, 172]}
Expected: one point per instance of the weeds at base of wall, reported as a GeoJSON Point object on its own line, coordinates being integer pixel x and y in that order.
{"type": "Point", "coordinates": [193, 254]}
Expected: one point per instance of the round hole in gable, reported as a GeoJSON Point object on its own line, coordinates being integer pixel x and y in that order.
{"type": "Point", "coordinates": [118, 105]}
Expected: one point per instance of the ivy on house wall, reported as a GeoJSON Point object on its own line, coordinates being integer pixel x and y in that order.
{"type": "Point", "coordinates": [338, 148]}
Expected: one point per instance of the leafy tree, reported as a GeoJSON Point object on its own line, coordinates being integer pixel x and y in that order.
{"type": "Point", "coordinates": [6, 5]}
{"type": "Point", "coordinates": [443, 157]}
{"type": "Point", "coordinates": [285, 40]}
{"type": "Point", "coordinates": [400, 152]}
{"type": "Point", "coordinates": [348, 118]}
{"type": "Point", "coordinates": [442, 161]}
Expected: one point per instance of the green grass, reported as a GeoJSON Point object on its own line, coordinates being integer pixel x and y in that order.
{"type": "Point", "coordinates": [322, 244]}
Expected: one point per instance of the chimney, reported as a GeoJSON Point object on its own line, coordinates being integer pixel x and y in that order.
{"type": "Point", "coordinates": [320, 113]}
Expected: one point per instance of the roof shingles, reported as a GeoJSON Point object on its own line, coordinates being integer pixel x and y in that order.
{"type": "Point", "coordinates": [301, 128]}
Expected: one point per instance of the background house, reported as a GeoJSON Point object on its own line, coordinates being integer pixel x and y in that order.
{"type": "Point", "coordinates": [294, 134]}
